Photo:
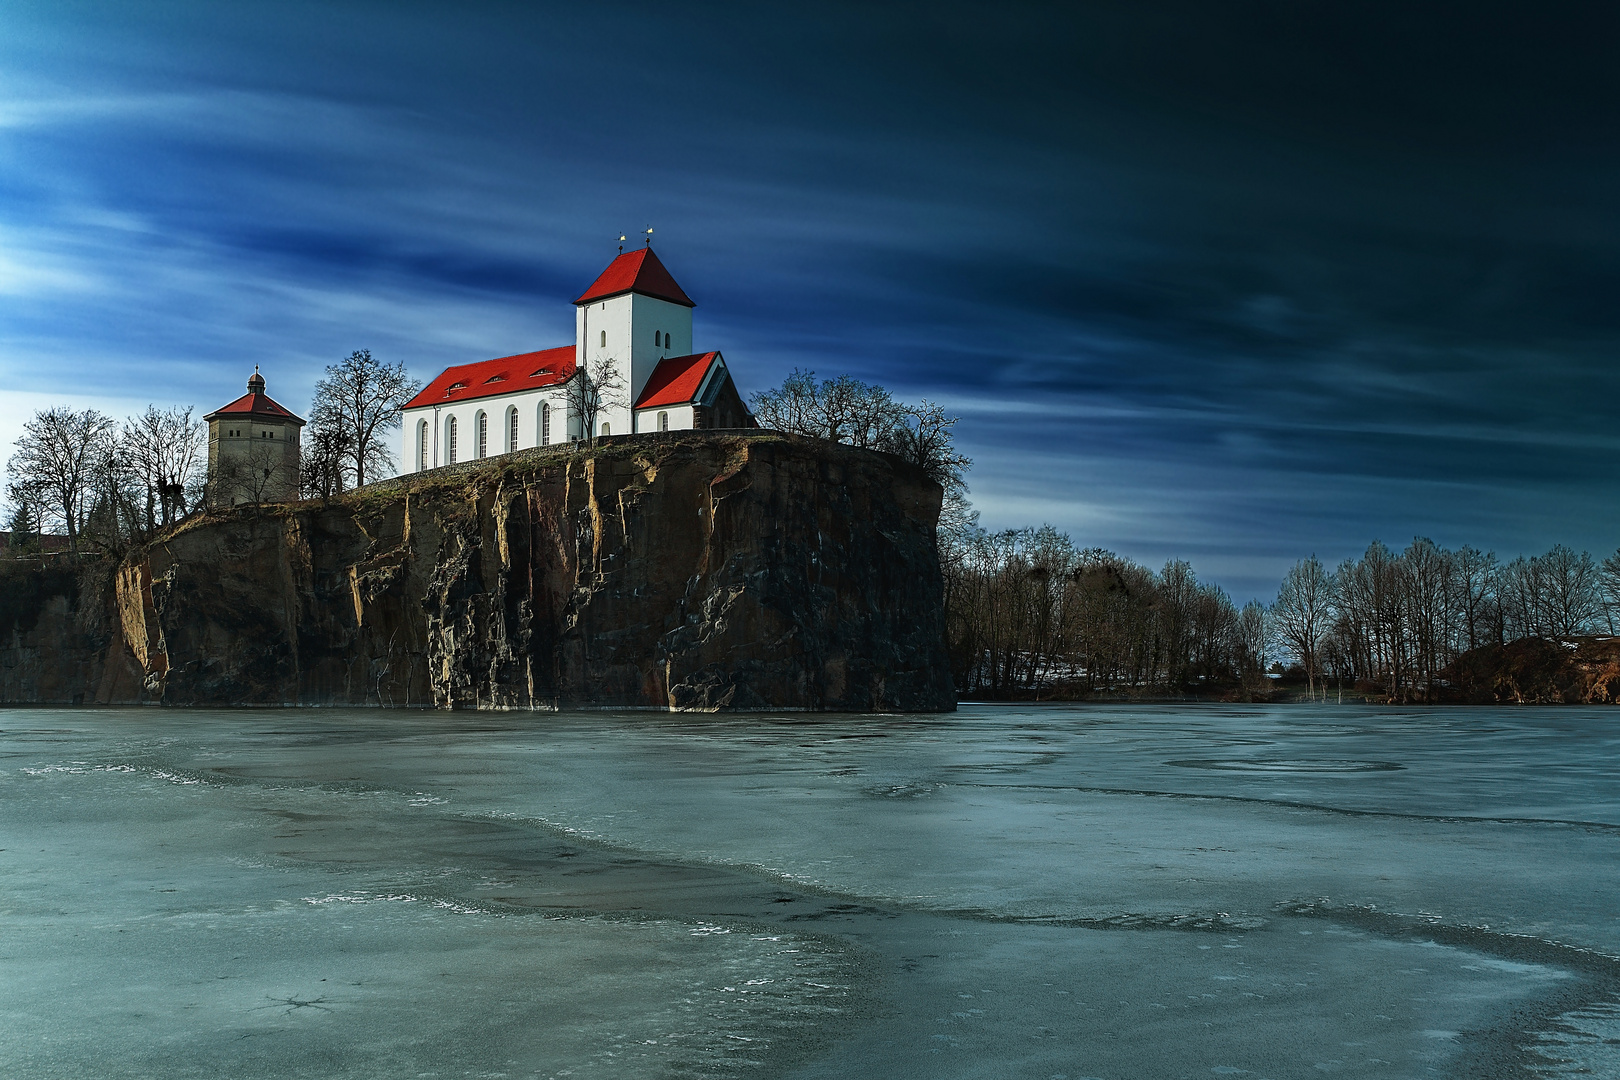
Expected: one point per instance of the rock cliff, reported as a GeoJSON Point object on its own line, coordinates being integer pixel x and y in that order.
{"type": "Point", "coordinates": [688, 571]}
{"type": "Point", "coordinates": [60, 641]}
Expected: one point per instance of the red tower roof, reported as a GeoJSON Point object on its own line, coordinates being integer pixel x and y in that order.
{"type": "Point", "coordinates": [503, 375]}
{"type": "Point", "coordinates": [256, 404]}
{"type": "Point", "coordinates": [640, 272]}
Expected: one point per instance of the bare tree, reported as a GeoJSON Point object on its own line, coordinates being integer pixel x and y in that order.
{"type": "Point", "coordinates": [1303, 615]}
{"type": "Point", "coordinates": [587, 392]}
{"type": "Point", "coordinates": [22, 522]}
{"type": "Point", "coordinates": [842, 410]}
{"type": "Point", "coordinates": [1609, 581]}
{"type": "Point", "coordinates": [1474, 582]}
{"type": "Point", "coordinates": [325, 451]}
{"type": "Point", "coordinates": [166, 452]}
{"type": "Point", "coordinates": [56, 460]}
{"type": "Point", "coordinates": [922, 435]}
{"type": "Point", "coordinates": [362, 397]}
{"type": "Point", "coordinates": [793, 407]}
{"type": "Point", "coordinates": [860, 414]}
{"type": "Point", "coordinates": [1570, 597]}
{"type": "Point", "coordinates": [1253, 634]}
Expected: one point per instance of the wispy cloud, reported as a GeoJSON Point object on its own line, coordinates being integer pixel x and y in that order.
{"type": "Point", "coordinates": [1180, 311]}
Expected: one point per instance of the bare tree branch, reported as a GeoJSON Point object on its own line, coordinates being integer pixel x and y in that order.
{"type": "Point", "coordinates": [362, 397]}
{"type": "Point", "coordinates": [56, 460]}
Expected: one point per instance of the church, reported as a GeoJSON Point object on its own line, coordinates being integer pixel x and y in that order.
{"type": "Point", "coordinates": [634, 315]}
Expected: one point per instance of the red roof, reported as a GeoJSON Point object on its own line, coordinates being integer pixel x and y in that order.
{"type": "Point", "coordinates": [676, 381]}
{"type": "Point", "coordinates": [255, 405]}
{"type": "Point", "coordinates": [636, 271]}
{"type": "Point", "coordinates": [503, 375]}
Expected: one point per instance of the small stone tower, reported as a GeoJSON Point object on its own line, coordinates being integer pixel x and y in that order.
{"type": "Point", "coordinates": [253, 452]}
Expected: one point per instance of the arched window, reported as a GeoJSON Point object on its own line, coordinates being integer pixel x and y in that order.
{"type": "Point", "coordinates": [421, 446]}
{"type": "Point", "coordinates": [511, 429]}
{"type": "Point", "coordinates": [545, 424]}
{"type": "Point", "coordinates": [450, 440]}
{"type": "Point", "coordinates": [663, 421]}
{"type": "Point", "coordinates": [658, 338]}
{"type": "Point", "coordinates": [607, 429]}
{"type": "Point", "coordinates": [604, 339]}
{"type": "Point", "coordinates": [483, 434]}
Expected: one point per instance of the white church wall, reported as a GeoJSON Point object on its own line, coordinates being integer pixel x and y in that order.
{"type": "Point", "coordinates": [680, 418]}
{"type": "Point", "coordinates": [466, 413]}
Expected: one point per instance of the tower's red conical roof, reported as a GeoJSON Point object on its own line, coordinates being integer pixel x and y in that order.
{"type": "Point", "coordinates": [639, 272]}
{"type": "Point", "coordinates": [256, 404]}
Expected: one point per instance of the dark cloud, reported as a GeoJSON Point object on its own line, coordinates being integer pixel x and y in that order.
{"type": "Point", "coordinates": [1239, 281]}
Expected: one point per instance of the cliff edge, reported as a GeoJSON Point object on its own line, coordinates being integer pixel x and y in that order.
{"type": "Point", "coordinates": [688, 571]}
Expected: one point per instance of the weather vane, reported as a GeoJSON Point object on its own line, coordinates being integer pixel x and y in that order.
{"type": "Point", "coordinates": [621, 245]}
{"type": "Point", "coordinates": [649, 236]}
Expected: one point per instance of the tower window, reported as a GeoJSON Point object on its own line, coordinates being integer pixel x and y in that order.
{"type": "Point", "coordinates": [604, 339]}
{"type": "Point", "coordinates": [483, 435]}
{"type": "Point", "coordinates": [421, 446]}
{"type": "Point", "coordinates": [545, 424]}
{"type": "Point", "coordinates": [663, 421]}
{"type": "Point", "coordinates": [450, 440]}
{"type": "Point", "coordinates": [511, 429]}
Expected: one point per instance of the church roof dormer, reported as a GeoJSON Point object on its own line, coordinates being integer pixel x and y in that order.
{"type": "Point", "coordinates": [637, 272]}
{"type": "Point", "coordinates": [256, 405]}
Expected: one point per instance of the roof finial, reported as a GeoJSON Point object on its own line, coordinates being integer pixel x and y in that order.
{"type": "Point", "coordinates": [649, 236]}
{"type": "Point", "coordinates": [621, 245]}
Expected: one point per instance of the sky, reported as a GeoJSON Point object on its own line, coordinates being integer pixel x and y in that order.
{"type": "Point", "coordinates": [1231, 282]}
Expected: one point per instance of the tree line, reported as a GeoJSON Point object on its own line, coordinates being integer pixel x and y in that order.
{"type": "Point", "coordinates": [1029, 612]}
{"type": "Point", "coordinates": [1399, 621]}
{"type": "Point", "coordinates": [104, 484]}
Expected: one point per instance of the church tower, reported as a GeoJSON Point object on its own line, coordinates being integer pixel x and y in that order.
{"type": "Point", "coordinates": [636, 315]}
{"type": "Point", "coordinates": [253, 452]}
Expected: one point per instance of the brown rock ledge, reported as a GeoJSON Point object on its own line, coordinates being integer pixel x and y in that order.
{"type": "Point", "coordinates": [688, 571]}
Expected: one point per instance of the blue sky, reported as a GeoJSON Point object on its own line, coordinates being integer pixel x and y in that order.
{"type": "Point", "coordinates": [1234, 282]}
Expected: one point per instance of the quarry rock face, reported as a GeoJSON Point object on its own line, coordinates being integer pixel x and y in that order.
{"type": "Point", "coordinates": [690, 571]}
{"type": "Point", "coordinates": [60, 641]}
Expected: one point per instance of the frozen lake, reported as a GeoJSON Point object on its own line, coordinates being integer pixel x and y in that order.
{"type": "Point", "coordinates": [1044, 892]}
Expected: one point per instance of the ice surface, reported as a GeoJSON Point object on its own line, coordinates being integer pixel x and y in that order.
{"type": "Point", "coordinates": [1103, 891]}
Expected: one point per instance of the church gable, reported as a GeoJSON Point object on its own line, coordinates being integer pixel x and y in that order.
{"type": "Point", "coordinates": [677, 381]}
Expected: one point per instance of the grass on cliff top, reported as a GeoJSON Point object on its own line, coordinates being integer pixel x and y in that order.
{"type": "Point", "coordinates": [648, 448]}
